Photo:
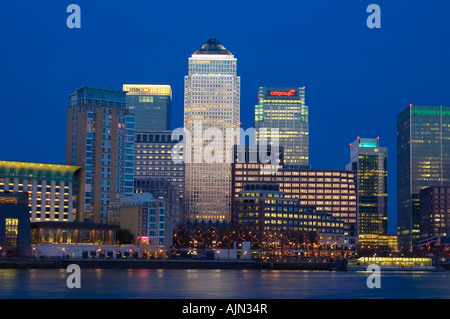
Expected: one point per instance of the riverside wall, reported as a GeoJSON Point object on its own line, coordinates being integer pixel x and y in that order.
{"type": "Point", "coordinates": [50, 263]}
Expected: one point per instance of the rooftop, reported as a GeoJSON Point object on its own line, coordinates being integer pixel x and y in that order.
{"type": "Point", "coordinates": [213, 46]}
{"type": "Point", "coordinates": [29, 170]}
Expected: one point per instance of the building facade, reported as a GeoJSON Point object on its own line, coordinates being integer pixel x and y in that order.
{"type": "Point", "coordinates": [100, 139]}
{"type": "Point", "coordinates": [150, 105]}
{"type": "Point", "coordinates": [147, 218]}
{"type": "Point", "coordinates": [263, 207]}
{"type": "Point", "coordinates": [369, 162]}
{"type": "Point", "coordinates": [211, 118]}
{"type": "Point", "coordinates": [434, 212]}
{"type": "Point", "coordinates": [328, 190]}
{"type": "Point", "coordinates": [284, 109]}
{"type": "Point", "coordinates": [423, 160]}
{"type": "Point", "coordinates": [52, 189]}
{"type": "Point", "coordinates": [157, 173]}
{"type": "Point", "coordinates": [15, 233]}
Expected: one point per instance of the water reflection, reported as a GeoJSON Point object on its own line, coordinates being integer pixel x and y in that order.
{"type": "Point", "coordinates": [216, 284]}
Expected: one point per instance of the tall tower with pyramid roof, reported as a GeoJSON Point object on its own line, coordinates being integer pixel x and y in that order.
{"type": "Point", "coordinates": [212, 118]}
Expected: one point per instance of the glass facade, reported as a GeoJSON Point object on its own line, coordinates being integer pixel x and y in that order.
{"type": "Point", "coordinates": [73, 233]}
{"type": "Point", "coordinates": [423, 160]}
{"type": "Point", "coordinates": [284, 109]}
{"type": "Point", "coordinates": [150, 105]}
{"type": "Point", "coordinates": [434, 212]}
{"type": "Point", "coordinates": [369, 162]}
{"type": "Point", "coordinates": [211, 102]}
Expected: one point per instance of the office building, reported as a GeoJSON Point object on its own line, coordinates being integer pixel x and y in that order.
{"type": "Point", "coordinates": [434, 212]}
{"type": "Point", "coordinates": [328, 190]}
{"type": "Point", "coordinates": [15, 233]}
{"type": "Point", "coordinates": [150, 105]}
{"type": "Point", "coordinates": [284, 109]}
{"type": "Point", "coordinates": [157, 173]}
{"type": "Point", "coordinates": [52, 189]}
{"type": "Point", "coordinates": [369, 162]}
{"type": "Point", "coordinates": [211, 117]}
{"type": "Point", "coordinates": [263, 207]}
{"type": "Point", "coordinates": [100, 139]}
{"type": "Point", "coordinates": [423, 160]}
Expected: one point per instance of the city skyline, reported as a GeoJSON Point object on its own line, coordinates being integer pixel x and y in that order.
{"type": "Point", "coordinates": [395, 60]}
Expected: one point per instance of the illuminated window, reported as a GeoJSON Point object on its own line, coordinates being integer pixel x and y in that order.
{"type": "Point", "coordinates": [11, 232]}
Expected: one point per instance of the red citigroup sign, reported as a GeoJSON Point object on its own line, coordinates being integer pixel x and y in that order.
{"type": "Point", "coordinates": [283, 93]}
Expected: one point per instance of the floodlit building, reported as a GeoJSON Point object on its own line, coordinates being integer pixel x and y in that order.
{"type": "Point", "coordinates": [284, 109]}
{"type": "Point", "coordinates": [263, 207]}
{"type": "Point", "coordinates": [52, 189]}
{"type": "Point", "coordinates": [150, 105]}
{"type": "Point", "coordinates": [328, 190]}
{"type": "Point", "coordinates": [211, 117]}
{"type": "Point", "coordinates": [157, 173]}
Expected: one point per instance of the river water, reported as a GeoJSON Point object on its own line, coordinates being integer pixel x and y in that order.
{"type": "Point", "coordinates": [220, 284]}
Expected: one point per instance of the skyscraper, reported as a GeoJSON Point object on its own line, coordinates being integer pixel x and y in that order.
{"type": "Point", "coordinates": [100, 139]}
{"type": "Point", "coordinates": [150, 104]}
{"type": "Point", "coordinates": [211, 116]}
{"type": "Point", "coordinates": [369, 161]}
{"type": "Point", "coordinates": [423, 160]}
{"type": "Point", "coordinates": [284, 109]}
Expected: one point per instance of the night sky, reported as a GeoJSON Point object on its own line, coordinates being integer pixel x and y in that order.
{"type": "Point", "coordinates": [357, 79]}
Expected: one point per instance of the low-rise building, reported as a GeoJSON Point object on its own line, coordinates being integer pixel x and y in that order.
{"type": "Point", "coordinates": [85, 251]}
{"type": "Point", "coordinates": [328, 190]}
{"type": "Point", "coordinates": [240, 251]}
{"type": "Point", "coordinates": [263, 207]}
{"type": "Point", "coordinates": [148, 220]}
{"type": "Point", "coordinates": [15, 239]}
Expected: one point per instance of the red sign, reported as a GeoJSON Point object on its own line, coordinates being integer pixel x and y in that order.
{"type": "Point", "coordinates": [146, 89]}
{"type": "Point", "coordinates": [143, 240]}
{"type": "Point", "coordinates": [283, 93]}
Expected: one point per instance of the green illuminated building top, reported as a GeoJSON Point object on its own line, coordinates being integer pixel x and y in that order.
{"type": "Point", "coordinates": [423, 160]}
{"type": "Point", "coordinates": [369, 162]}
{"type": "Point", "coordinates": [26, 170]}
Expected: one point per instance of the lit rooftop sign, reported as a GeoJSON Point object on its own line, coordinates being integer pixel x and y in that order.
{"type": "Point", "coordinates": [291, 92]}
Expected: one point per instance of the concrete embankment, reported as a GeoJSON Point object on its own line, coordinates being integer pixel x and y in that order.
{"type": "Point", "coordinates": [19, 263]}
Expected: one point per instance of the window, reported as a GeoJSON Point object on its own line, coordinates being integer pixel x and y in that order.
{"type": "Point", "coordinates": [11, 232]}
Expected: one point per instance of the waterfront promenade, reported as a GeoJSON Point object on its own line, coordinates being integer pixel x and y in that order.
{"type": "Point", "coordinates": [54, 263]}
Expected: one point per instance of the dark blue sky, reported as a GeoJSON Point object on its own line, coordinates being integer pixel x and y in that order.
{"type": "Point", "coordinates": [357, 79]}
